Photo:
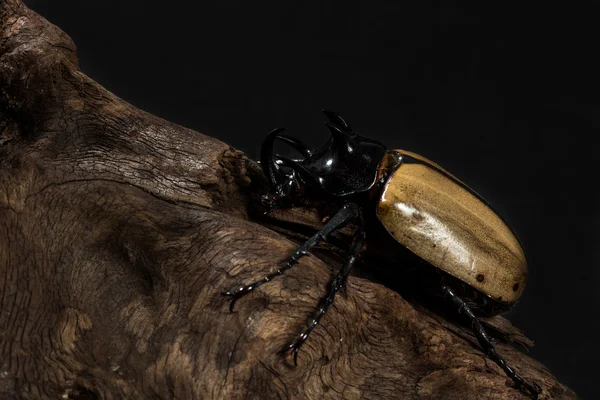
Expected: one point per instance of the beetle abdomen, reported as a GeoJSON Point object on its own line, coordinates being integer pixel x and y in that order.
{"type": "Point", "coordinates": [445, 223]}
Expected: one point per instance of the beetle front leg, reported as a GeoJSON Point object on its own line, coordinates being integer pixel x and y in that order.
{"type": "Point", "coordinates": [339, 282]}
{"type": "Point", "coordinates": [487, 345]}
{"type": "Point", "coordinates": [346, 214]}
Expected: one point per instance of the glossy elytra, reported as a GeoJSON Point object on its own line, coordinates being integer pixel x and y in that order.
{"type": "Point", "coordinates": [422, 207]}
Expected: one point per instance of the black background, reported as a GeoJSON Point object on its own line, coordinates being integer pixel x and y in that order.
{"type": "Point", "coordinates": [505, 98]}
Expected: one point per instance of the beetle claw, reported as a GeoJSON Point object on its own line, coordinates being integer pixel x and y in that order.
{"type": "Point", "coordinates": [235, 298]}
{"type": "Point", "coordinates": [295, 347]}
{"type": "Point", "coordinates": [296, 350]}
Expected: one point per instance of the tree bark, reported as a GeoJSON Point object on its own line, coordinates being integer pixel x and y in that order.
{"type": "Point", "coordinates": [119, 230]}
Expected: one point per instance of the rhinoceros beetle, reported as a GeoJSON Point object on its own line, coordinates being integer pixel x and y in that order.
{"type": "Point", "coordinates": [424, 208]}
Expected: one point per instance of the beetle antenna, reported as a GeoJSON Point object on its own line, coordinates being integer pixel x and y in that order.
{"type": "Point", "coordinates": [336, 119]}
{"type": "Point", "coordinates": [267, 161]}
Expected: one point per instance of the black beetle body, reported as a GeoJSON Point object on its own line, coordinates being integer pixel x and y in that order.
{"type": "Point", "coordinates": [423, 207]}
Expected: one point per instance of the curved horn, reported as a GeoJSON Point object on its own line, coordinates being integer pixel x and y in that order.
{"type": "Point", "coordinates": [296, 144]}
{"type": "Point", "coordinates": [340, 138]}
{"type": "Point", "coordinates": [267, 161]}
{"type": "Point", "coordinates": [336, 119]}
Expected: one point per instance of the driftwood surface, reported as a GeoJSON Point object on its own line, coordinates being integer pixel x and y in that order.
{"type": "Point", "coordinates": [119, 230]}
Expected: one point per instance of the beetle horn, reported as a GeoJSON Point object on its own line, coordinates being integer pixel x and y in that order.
{"type": "Point", "coordinates": [267, 161]}
{"type": "Point", "coordinates": [296, 144]}
{"type": "Point", "coordinates": [336, 119]}
{"type": "Point", "coordinates": [340, 138]}
{"type": "Point", "coordinates": [299, 169]}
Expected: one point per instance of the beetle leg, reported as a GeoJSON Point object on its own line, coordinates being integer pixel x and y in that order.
{"type": "Point", "coordinates": [346, 214]}
{"type": "Point", "coordinates": [339, 282]}
{"type": "Point", "coordinates": [486, 343]}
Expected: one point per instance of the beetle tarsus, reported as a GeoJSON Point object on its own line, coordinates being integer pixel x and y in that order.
{"type": "Point", "coordinates": [338, 283]}
{"type": "Point", "coordinates": [463, 309]}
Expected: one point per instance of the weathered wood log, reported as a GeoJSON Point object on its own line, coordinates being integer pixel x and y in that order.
{"type": "Point", "coordinates": [119, 230]}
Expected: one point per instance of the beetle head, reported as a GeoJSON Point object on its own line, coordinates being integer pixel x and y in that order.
{"type": "Point", "coordinates": [346, 164]}
{"type": "Point", "coordinates": [288, 181]}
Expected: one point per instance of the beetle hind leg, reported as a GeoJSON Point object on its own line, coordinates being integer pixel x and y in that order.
{"type": "Point", "coordinates": [485, 342]}
{"type": "Point", "coordinates": [346, 214]}
{"type": "Point", "coordinates": [338, 283]}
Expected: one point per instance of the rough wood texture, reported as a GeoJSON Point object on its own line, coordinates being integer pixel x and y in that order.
{"type": "Point", "coordinates": [118, 230]}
